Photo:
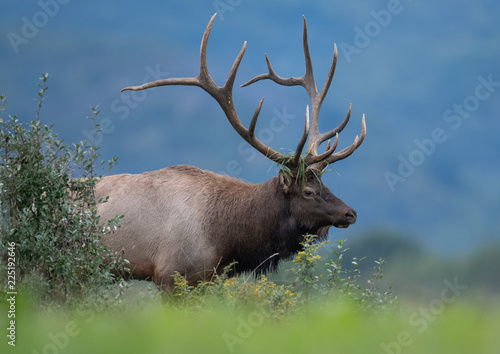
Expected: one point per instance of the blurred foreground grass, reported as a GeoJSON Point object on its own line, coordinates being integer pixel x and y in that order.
{"type": "Point", "coordinates": [322, 327]}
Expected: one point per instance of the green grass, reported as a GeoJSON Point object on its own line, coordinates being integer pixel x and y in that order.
{"type": "Point", "coordinates": [321, 327]}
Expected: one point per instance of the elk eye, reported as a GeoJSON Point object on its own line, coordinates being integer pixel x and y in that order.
{"type": "Point", "coordinates": [308, 193]}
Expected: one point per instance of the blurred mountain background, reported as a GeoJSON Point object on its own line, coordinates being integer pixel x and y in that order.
{"type": "Point", "coordinates": [426, 74]}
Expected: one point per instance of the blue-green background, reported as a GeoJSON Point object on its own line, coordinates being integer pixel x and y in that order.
{"type": "Point", "coordinates": [419, 63]}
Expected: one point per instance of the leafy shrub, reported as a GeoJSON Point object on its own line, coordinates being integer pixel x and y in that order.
{"type": "Point", "coordinates": [306, 262]}
{"type": "Point", "coordinates": [345, 282]}
{"type": "Point", "coordinates": [234, 293]}
{"type": "Point", "coordinates": [49, 210]}
{"type": "Point", "coordinates": [339, 282]}
{"type": "Point", "coordinates": [278, 301]}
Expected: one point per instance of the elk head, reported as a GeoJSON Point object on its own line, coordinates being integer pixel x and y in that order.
{"type": "Point", "coordinates": [300, 176]}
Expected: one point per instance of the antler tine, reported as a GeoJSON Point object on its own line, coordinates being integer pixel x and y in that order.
{"type": "Point", "coordinates": [307, 80]}
{"type": "Point", "coordinates": [189, 81]}
{"type": "Point", "coordinates": [348, 150]}
{"type": "Point", "coordinates": [317, 139]}
{"type": "Point", "coordinates": [203, 80]}
{"type": "Point", "coordinates": [271, 75]}
{"type": "Point", "coordinates": [314, 159]}
{"type": "Point", "coordinates": [302, 142]}
{"type": "Point", "coordinates": [204, 74]}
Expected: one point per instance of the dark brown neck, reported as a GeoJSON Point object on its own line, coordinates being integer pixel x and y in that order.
{"type": "Point", "coordinates": [255, 224]}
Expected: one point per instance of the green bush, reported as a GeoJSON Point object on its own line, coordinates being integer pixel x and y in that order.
{"type": "Point", "coordinates": [49, 210]}
{"type": "Point", "coordinates": [310, 282]}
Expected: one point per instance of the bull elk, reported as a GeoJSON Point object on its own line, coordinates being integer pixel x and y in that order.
{"type": "Point", "coordinates": [196, 222]}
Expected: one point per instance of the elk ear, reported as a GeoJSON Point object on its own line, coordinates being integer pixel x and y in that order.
{"type": "Point", "coordinates": [285, 180]}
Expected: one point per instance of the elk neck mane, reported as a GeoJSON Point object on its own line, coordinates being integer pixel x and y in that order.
{"type": "Point", "coordinates": [250, 223]}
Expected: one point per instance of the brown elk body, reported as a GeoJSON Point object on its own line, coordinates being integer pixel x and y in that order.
{"type": "Point", "coordinates": [196, 222]}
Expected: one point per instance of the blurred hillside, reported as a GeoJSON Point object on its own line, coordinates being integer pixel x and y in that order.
{"type": "Point", "coordinates": [425, 74]}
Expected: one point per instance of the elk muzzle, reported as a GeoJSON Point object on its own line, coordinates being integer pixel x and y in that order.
{"type": "Point", "coordinates": [348, 218]}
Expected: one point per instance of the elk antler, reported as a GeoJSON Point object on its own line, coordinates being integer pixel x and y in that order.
{"type": "Point", "coordinates": [223, 95]}
{"type": "Point", "coordinates": [315, 161]}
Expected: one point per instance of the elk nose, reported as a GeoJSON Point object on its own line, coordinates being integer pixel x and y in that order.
{"type": "Point", "coordinates": [351, 216]}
